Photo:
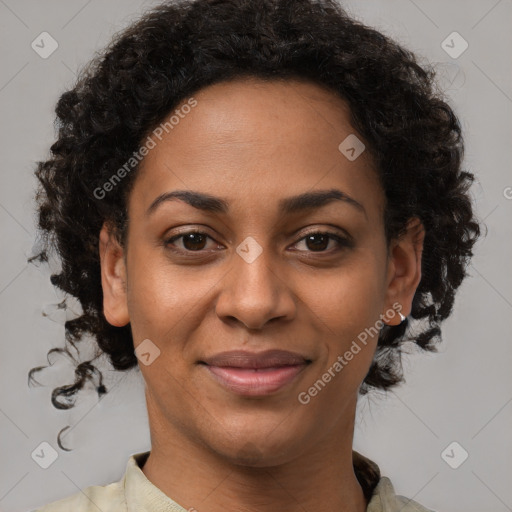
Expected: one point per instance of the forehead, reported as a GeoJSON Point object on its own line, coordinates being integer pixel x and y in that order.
{"type": "Point", "coordinates": [251, 140]}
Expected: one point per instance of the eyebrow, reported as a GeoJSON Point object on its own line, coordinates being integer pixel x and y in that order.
{"type": "Point", "coordinates": [288, 205]}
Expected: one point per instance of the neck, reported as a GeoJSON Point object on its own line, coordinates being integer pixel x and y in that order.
{"type": "Point", "coordinates": [197, 477]}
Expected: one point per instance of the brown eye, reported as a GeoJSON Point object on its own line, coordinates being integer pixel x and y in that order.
{"type": "Point", "coordinates": [319, 241]}
{"type": "Point", "coordinates": [192, 241]}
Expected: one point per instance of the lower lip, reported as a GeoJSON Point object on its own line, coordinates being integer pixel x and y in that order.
{"type": "Point", "coordinates": [250, 382]}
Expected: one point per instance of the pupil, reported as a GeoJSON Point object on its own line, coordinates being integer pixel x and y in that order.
{"type": "Point", "coordinates": [190, 241]}
{"type": "Point", "coordinates": [317, 246]}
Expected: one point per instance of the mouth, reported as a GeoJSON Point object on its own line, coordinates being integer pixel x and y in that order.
{"type": "Point", "coordinates": [255, 374]}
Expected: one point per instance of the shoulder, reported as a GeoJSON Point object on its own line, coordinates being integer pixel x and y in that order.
{"type": "Point", "coordinates": [406, 505]}
{"type": "Point", "coordinates": [379, 490]}
{"type": "Point", "coordinates": [133, 491]}
{"type": "Point", "coordinates": [384, 499]}
{"type": "Point", "coordinates": [107, 498]}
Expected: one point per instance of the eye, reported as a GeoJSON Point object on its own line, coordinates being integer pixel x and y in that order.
{"type": "Point", "coordinates": [193, 241]}
{"type": "Point", "coordinates": [318, 241]}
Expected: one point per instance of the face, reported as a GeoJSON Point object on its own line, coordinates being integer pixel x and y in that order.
{"type": "Point", "coordinates": [238, 265]}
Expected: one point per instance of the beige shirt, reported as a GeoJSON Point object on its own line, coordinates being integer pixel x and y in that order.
{"type": "Point", "coordinates": [135, 493]}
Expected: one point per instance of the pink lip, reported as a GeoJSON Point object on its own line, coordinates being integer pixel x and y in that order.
{"type": "Point", "coordinates": [255, 382]}
{"type": "Point", "coordinates": [265, 359]}
{"type": "Point", "coordinates": [255, 374]}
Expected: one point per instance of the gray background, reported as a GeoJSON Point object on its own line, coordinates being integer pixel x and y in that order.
{"type": "Point", "coordinates": [462, 394]}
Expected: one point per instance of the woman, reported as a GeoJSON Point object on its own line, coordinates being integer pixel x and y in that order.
{"type": "Point", "coordinates": [257, 204]}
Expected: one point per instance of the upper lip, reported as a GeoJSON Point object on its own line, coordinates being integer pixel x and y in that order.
{"type": "Point", "coordinates": [266, 359]}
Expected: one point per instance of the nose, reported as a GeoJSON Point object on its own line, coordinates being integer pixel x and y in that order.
{"type": "Point", "coordinates": [255, 292]}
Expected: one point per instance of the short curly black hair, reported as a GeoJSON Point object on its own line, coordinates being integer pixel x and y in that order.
{"type": "Point", "coordinates": [178, 48]}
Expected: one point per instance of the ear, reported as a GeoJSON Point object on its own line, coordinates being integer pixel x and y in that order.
{"type": "Point", "coordinates": [113, 278]}
{"type": "Point", "coordinates": [404, 269]}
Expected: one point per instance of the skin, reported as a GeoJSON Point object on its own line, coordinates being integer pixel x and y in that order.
{"type": "Point", "coordinates": [254, 143]}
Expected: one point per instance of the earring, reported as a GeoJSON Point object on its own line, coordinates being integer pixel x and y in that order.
{"type": "Point", "coordinates": [402, 318]}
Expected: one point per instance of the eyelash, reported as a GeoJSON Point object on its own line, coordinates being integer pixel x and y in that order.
{"type": "Point", "coordinates": [342, 242]}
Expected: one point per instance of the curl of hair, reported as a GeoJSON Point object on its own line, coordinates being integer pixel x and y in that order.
{"type": "Point", "coordinates": [178, 48]}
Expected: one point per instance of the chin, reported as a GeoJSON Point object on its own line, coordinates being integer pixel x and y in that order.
{"type": "Point", "coordinates": [258, 450]}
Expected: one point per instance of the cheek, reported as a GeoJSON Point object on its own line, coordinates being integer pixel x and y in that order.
{"type": "Point", "coordinates": [350, 298]}
{"type": "Point", "coordinates": [160, 295]}
{"type": "Point", "coordinates": [348, 306]}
